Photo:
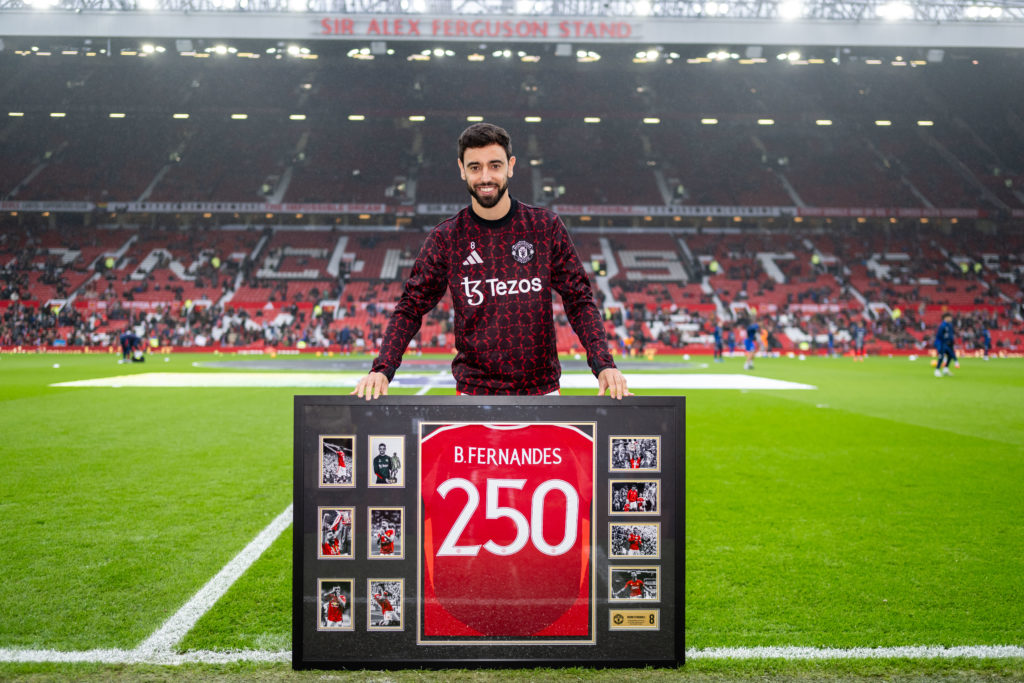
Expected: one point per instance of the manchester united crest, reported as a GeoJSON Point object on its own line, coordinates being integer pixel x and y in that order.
{"type": "Point", "coordinates": [522, 251]}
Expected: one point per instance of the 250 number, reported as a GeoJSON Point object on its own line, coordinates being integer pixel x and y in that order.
{"type": "Point", "coordinates": [526, 530]}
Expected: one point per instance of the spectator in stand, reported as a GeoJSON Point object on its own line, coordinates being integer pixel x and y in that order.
{"type": "Point", "coordinates": [501, 260]}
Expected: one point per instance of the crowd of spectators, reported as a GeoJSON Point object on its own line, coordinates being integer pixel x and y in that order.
{"type": "Point", "coordinates": [906, 277]}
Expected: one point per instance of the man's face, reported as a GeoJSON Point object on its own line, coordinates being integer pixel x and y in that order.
{"type": "Point", "coordinates": [382, 449]}
{"type": "Point", "coordinates": [486, 171]}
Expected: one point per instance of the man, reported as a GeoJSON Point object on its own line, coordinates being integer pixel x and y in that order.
{"type": "Point", "coordinates": [389, 615]}
{"type": "Point", "coordinates": [331, 544]}
{"type": "Point", "coordinates": [382, 465]}
{"type": "Point", "coordinates": [634, 540]}
{"type": "Point", "coordinates": [944, 345]}
{"type": "Point", "coordinates": [986, 341]}
{"type": "Point", "coordinates": [336, 609]}
{"type": "Point", "coordinates": [718, 342]}
{"type": "Point", "coordinates": [386, 539]}
{"type": "Point", "coordinates": [500, 259]}
{"type": "Point", "coordinates": [335, 534]}
{"type": "Point", "coordinates": [858, 332]}
{"type": "Point", "coordinates": [131, 347]}
{"type": "Point", "coordinates": [340, 474]}
{"type": "Point", "coordinates": [750, 344]}
{"type": "Point", "coordinates": [635, 586]}
{"type": "Point", "coordinates": [632, 499]}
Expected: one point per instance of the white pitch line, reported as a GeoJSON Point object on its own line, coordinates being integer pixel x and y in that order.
{"type": "Point", "coordinates": [137, 657]}
{"type": "Point", "coordinates": [175, 628]}
{"type": "Point", "coordinates": [915, 652]}
{"type": "Point", "coordinates": [899, 652]}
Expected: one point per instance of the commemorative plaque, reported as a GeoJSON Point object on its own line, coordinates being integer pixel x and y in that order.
{"type": "Point", "coordinates": [488, 531]}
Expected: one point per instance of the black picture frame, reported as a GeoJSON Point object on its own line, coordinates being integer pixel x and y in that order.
{"type": "Point", "coordinates": [611, 639]}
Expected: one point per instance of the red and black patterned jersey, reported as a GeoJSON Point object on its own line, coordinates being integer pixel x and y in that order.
{"type": "Point", "coordinates": [501, 275]}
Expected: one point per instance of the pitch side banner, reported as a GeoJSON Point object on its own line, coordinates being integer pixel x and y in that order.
{"type": "Point", "coordinates": [437, 531]}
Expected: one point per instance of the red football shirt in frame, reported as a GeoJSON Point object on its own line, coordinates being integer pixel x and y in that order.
{"type": "Point", "coordinates": [507, 526]}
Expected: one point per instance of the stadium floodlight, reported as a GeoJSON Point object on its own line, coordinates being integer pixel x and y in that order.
{"type": "Point", "coordinates": [16, 114]}
{"type": "Point", "coordinates": [474, 118]}
{"type": "Point", "coordinates": [895, 11]}
{"type": "Point", "coordinates": [116, 115]}
{"type": "Point", "coordinates": [148, 5]}
{"type": "Point", "coordinates": [652, 120]}
{"type": "Point", "coordinates": [823, 122]}
{"type": "Point", "coordinates": [791, 9]}
{"type": "Point", "coordinates": [297, 5]}
{"type": "Point", "coordinates": [642, 8]}
{"type": "Point", "coordinates": [883, 123]}
{"type": "Point", "coordinates": [356, 117]}
{"type": "Point", "coordinates": [926, 124]}
{"type": "Point", "coordinates": [766, 122]}
{"type": "Point", "coordinates": [417, 118]}
{"type": "Point", "coordinates": [532, 119]}
{"type": "Point", "coordinates": [294, 50]}
{"type": "Point", "coordinates": [591, 119]}
{"type": "Point", "coordinates": [708, 121]}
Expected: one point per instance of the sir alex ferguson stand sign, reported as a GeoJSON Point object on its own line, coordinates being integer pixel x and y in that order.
{"type": "Point", "coordinates": [490, 531]}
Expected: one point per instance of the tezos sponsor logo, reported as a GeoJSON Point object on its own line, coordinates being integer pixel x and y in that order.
{"type": "Point", "coordinates": [475, 293]}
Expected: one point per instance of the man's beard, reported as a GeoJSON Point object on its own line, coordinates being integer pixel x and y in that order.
{"type": "Point", "coordinates": [489, 202]}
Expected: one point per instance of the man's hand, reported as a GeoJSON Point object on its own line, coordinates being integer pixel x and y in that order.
{"type": "Point", "coordinates": [374, 385]}
{"type": "Point", "coordinates": [614, 381]}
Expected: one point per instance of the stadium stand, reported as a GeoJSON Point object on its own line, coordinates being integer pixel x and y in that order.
{"type": "Point", "coordinates": [891, 224]}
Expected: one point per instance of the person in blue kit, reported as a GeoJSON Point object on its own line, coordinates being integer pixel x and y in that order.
{"type": "Point", "coordinates": [131, 347]}
{"type": "Point", "coordinates": [944, 345]}
{"type": "Point", "coordinates": [750, 344]}
{"type": "Point", "coordinates": [730, 340]}
{"type": "Point", "coordinates": [718, 342]}
{"type": "Point", "coordinates": [831, 343]}
{"type": "Point", "coordinates": [857, 332]}
{"type": "Point", "coordinates": [986, 341]}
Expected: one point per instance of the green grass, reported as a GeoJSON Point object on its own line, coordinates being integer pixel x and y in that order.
{"type": "Point", "coordinates": [882, 509]}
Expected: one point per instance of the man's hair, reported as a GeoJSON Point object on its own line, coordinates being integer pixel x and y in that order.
{"type": "Point", "coordinates": [482, 135]}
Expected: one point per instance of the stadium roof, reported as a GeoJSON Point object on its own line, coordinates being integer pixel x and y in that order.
{"type": "Point", "coordinates": [897, 23]}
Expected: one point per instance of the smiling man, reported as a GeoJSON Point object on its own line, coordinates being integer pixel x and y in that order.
{"type": "Point", "coordinates": [501, 259]}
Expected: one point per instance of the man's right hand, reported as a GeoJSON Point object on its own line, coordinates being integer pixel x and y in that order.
{"type": "Point", "coordinates": [374, 385]}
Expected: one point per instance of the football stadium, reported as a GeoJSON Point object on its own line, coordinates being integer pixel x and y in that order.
{"type": "Point", "coordinates": [805, 218]}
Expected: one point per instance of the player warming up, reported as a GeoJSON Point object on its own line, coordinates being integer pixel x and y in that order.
{"type": "Point", "coordinates": [944, 340]}
{"type": "Point", "coordinates": [501, 260]}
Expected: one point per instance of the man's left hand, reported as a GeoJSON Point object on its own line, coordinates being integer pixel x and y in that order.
{"type": "Point", "coordinates": [614, 381]}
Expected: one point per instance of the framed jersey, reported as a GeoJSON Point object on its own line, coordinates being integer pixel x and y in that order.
{"type": "Point", "coordinates": [510, 535]}
{"type": "Point", "coordinates": [507, 511]}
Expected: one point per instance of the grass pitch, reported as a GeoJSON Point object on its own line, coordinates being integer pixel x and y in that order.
{"type": "Point", "coordinates": [882, 509]}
